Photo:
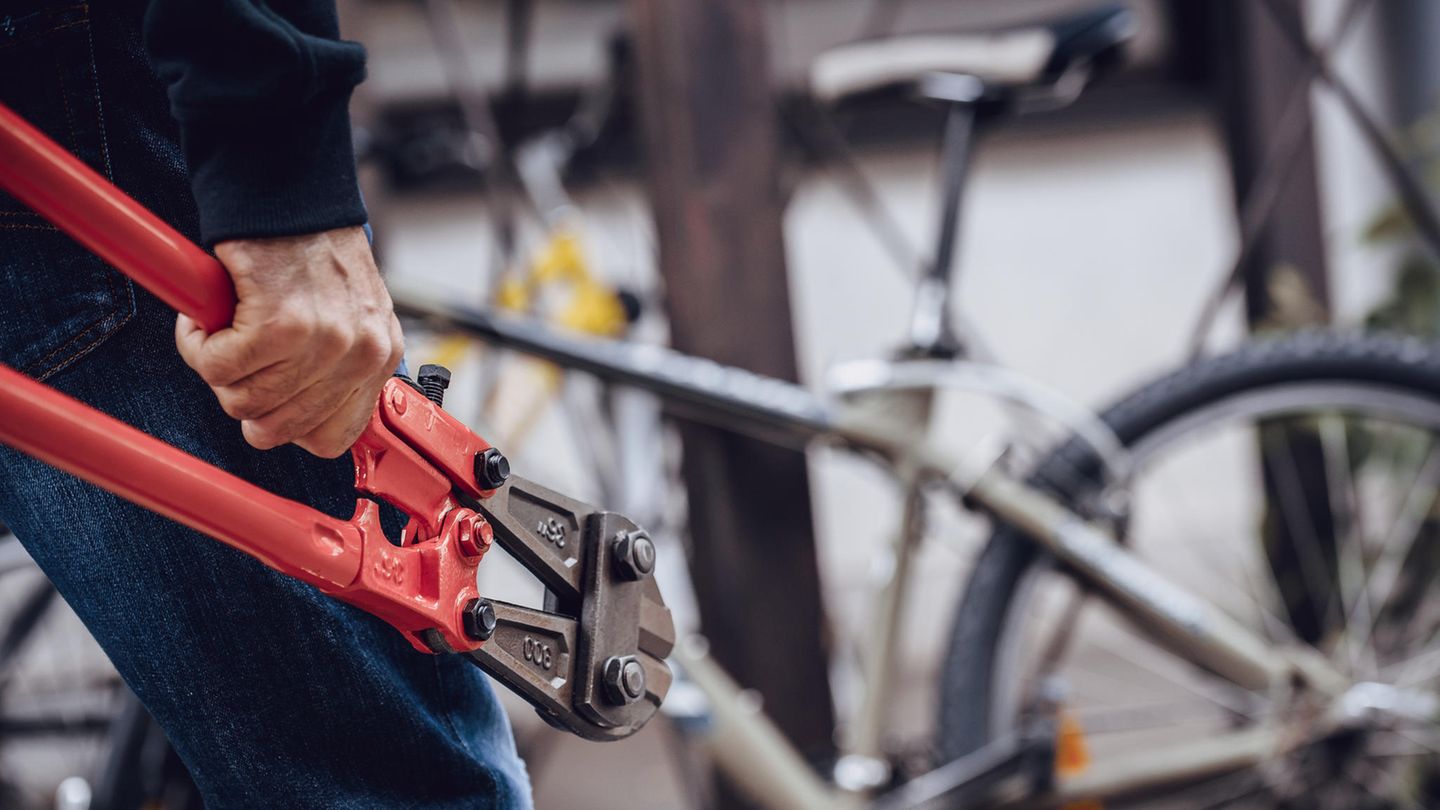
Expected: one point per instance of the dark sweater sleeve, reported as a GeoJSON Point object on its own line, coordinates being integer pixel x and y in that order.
{"type": "Point", "coordinates": [261, 90]}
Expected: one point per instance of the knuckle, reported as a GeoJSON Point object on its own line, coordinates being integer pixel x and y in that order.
{"type": "Point", "coordinates": [251, 401]}
{"type": "Point", "coordinates": [397, 341]}
{"type": "Point", "coordinates": [288, 323]}
{"type": "Point", "coordinates": [374, 348]}
{"type": "Point", "coordinates": [216, 368]}
{"type": "Point", "coordinates": [237, 403]}
{"type": "Point", "coordinates": [333, 330]}
{"type": "Point", "coordinates": [332, 338]}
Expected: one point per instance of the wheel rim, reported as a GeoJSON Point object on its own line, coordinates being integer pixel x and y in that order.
{"type": "Point", "coordinates": [1388, 760]}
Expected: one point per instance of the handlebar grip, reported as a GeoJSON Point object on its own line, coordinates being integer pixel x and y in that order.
{"type": "Point", "coordinates": [63, 190]}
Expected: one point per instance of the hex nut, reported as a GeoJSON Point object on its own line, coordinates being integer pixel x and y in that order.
{"type": "Point", "coordinates": [623, 679]}
{"type": "Point", "coordinates": [480, 619]}
{"type": "Point", "coordinates": [473, 534]}
{"type": "Point", "coordinates": [634, 554]}
{"type": "Point", "coordinates": [492, 469]}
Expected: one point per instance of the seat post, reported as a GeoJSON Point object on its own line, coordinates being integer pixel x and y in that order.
{"type": "Point", "coordinates": [931, 332]}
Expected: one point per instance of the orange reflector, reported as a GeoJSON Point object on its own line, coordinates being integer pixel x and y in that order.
{"type": "Point", "coordinates": [1072, 756]}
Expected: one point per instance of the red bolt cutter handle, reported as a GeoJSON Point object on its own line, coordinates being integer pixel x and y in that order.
{"type": "Point", "coordinates": [418, 587]}
{"type": "Point", "coordinates": [114, 227]}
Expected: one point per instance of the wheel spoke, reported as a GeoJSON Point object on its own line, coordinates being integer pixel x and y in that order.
{"type": "Point", "coordinates": [1433, 746]}
{"type": "Point", "coordinates": [1222, 693]}
{"type": "Point", "coordinates": [1400, 540]}
{"type": "Point", "coordinates": [1256, 593]}
{"type": "Point", "coordinates": [1249, 785]}
{"type": "Point", "coordinates": [1143, 717]}
{"type": "Point", "coordinates": [1300, 526]}
{"type": "Point", "coordinates": [1379, 791]}
{"type": "Point", "coordinates": [1349, 550]}
{"type": "Point", "coordinates": [1386, 744]}
{"type": "Point", "coordinates": [1417, 669]}
{"type": "Point", "coordinates": [1055, 647]}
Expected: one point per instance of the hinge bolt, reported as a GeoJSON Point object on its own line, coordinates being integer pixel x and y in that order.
{"type": "Point", "coordinates": [623, 679]}
{"type": "Point", "coordinates": [480, 619]}
{"type": "Point", "coordinates": [492, 469]}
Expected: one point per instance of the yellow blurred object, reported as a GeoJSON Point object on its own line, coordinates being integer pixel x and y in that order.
{"type": "Point", "coordinates": [451, 349]}
{"type": "Point", "coordinates": [513, 295]}
{"type": "Point", "coordinates": [561, 260]}
{"type": "Point", "coordinates": [1072, 756]}
{"type": "Point", "coordinates": [594, 310]}
{"type": "Point", "coordinates": [591, 308]}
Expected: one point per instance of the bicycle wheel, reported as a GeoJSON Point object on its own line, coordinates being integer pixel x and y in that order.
{"type": "Point", "coordinates": [1293, 484]}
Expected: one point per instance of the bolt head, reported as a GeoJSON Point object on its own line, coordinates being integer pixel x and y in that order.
{"type": "Point", "coordinates": [473, 533]}
{"type": "Point", "coordinates": [431, 372]}
{"type": "Point", "coordinates": [632, 678]}
{"type": "Point", "coordinates": [492, 469]}
{"type": "Point", "coordinates": [634, 554]}
{"type": "Point", "coordinates": [480, 619]}
{"type": "Point", "coordinates": [397, 399]}
{"type": "Point", "coordinates": [623, 679]}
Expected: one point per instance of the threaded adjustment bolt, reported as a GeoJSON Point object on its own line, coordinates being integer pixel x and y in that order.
{"type": "Point", "coordinates": [434, 379]}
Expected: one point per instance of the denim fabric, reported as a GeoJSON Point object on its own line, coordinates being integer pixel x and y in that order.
{"type": "Point", "coordinates": [274, 695]}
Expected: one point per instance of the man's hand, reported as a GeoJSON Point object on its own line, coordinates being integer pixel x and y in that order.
{"type": "Point", "coordinates": [314, 339]}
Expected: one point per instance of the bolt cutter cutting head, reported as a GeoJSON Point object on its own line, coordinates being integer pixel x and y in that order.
{"type": "Point", "coordinates": [592, 662]}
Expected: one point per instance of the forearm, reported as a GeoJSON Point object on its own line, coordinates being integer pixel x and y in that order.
{"type": "Point", "coordinates": [261, 94]}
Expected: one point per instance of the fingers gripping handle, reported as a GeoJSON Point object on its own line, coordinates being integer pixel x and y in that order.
{"type": "Point", "coordinates": [119, 230]}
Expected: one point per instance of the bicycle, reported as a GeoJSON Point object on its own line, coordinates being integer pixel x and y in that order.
{"type": "Point", "coordinates": [1303, 674]}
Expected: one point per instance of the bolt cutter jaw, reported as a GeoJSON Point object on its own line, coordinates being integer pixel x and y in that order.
{"type": "Point", "coordinates": [592, 662]}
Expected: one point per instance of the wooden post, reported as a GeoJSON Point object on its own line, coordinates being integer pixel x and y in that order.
{"type": "Point", "coordinates": [1286, 286]}
{"type": "Point", "coordinates": [1257, 72]}
{"type": "Point", "coordinates": [711, 149]}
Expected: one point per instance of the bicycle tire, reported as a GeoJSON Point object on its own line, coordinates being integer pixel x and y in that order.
{"type": "Point", "coordinates": [968, 686]}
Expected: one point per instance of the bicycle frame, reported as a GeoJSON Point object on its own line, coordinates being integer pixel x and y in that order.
{"type": "Point", "coordinates": [789, 414]}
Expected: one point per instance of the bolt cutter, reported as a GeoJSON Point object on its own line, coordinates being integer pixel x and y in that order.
{"type": "Point", "coordinates": [592, 662]}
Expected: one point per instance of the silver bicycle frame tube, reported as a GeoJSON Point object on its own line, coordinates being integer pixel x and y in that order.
{"type": "Point", "coordinates": [776, 410]}
{"type": "Point", "coordinates": [860, 747]}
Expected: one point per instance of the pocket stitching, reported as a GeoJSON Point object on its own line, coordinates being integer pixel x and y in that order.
{"type": "Point", "coordinates": [121, 290]}
{"type": "Point", "coordinates": [99, 104]}
{"type": "Point", "coordinates": [10, 226]}
{"type": "Point", "coordinates": [34, 369]}
{"type": "Point", "coordinates": [61, 27]}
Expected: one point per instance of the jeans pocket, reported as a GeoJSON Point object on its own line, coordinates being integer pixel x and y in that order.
{"type": "Point", "coordinates": [57, 300]}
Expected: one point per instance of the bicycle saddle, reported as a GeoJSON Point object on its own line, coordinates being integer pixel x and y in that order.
{"type": "Point", "coordinates": [1006, 60]}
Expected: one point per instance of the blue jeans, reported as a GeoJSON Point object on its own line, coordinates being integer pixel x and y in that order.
{"type": "Point", "coordinates": [274, 695]}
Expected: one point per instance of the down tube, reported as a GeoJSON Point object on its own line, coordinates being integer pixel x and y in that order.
{"type": "Point", "coordinates": [287, 536]}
